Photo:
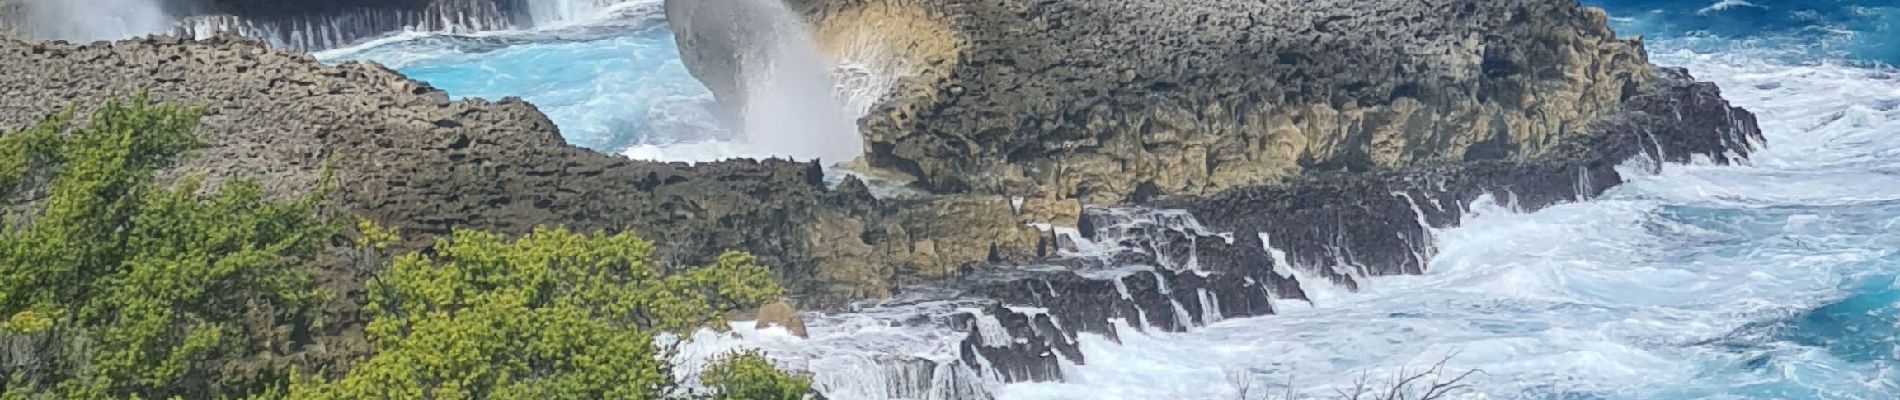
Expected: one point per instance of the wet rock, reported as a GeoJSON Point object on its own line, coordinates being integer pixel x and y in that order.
{"type": "Point", "coordinates": [1348, 226]}
{"type": "Point", "coordinates": [781, 314]}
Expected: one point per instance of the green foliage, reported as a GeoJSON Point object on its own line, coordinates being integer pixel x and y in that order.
{"type": "Point", "coordinates": [374, 236]}
{"type": "Point", "coordinates": [126, 289]}
{"type": "Point", "coordinates": [26, 322]}
{"type": "Point", "coordinates": [113, 287]}
{"type": "Point", "coordinates": [25, 151]}
{"type": "Point", "coordinates": [554, 314]}
{"type": "Point", "coordinates": [748, 376]}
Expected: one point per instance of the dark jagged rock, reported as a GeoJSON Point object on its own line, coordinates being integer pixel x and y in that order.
{"type": "Point", "coordinates": [1165, 275]}
{"type": "Point", "coordinates": [1347, 226]}
{"type": "Point", "coordinates": [1343, 227]}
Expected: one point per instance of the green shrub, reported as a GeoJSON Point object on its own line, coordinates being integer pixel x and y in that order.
{"type": "Point", "coordinates": [119, 288]}
{"type": "Point", "coordinates": [113, 287]}
{"type": "Point", "coordinates": [748, 376]}
{"type": "Point", "coordinates": [554, 314]}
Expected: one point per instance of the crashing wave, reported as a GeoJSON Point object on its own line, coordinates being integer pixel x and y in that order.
{"type": "Point", "coordinates": [1727, 4]}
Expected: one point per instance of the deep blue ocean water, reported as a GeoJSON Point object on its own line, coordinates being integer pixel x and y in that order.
{"type": "Point", "coordinates": [1775, 279]}
{"type": "Point", "coordinates": [1861, 30]}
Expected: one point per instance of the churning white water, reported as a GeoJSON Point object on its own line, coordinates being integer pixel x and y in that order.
{"type": "Point", "coordinates": [615, 83]}
{"type": "Point", "coordinates": [1775, 279]}
{"type": "Point", "coordinates": [1701, 282]}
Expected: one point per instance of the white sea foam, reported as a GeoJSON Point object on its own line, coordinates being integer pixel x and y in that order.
{"type": "Point", "coordinates": [1635, 295]}
{"type": "Point", "coordinates": [1725, 5]}
{"type": "Point", "coordinates": [1614, 298]}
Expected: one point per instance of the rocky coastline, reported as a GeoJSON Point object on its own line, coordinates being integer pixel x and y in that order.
{"type": "Point", "coordinates": [328, 24]}
{"type": "Point", "coordinates": [1234, 153]}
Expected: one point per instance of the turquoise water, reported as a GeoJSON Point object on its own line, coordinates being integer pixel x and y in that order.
{"type": "Point", "coordinates": [608, 89]}
{"type": "Point", "coordinates": [1775, 279]}
{"type": "Point", "coordinates": [1861, 30]}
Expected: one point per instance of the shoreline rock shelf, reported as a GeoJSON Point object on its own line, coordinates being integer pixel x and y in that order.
{"type": "Point", "coordinates": [1296, 142]}
{"type": "Point", "coordinates": [1116, 101]}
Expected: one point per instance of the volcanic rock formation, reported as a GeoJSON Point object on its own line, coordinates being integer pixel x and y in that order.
{"type": "Point", "coordinates": [1112, 101]}
{"type": "Point", "coordinates": [1326, 140]}
{"type": "Point", "coordinates": [1222, 150]}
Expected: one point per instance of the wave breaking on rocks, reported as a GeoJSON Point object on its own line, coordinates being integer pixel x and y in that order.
{"type": "Point", "coordinates": [1080, 167]}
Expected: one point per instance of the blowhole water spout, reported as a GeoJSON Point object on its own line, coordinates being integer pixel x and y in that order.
{"type": "Point", "coordinates": [85, 21]}
{"type": "Point", "coordinates": [758, 59]}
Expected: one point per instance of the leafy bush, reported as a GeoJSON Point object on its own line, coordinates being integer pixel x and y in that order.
{"type": "Point", "coordinates": [112, 287]}
{"type": "Point", "coordinates": [748, 376]}
{"type": "Point", "coordinates": [554, 314]}
{"type": "Point", "coordinates": [115, 287]}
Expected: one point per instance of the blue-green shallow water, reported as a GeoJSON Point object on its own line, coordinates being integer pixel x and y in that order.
{"type": "Point", "coordinates": [607, 88]}
{"type": "Point", "coordinates": [1774, 279]}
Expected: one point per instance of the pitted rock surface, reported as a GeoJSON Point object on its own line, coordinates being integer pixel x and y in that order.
{"type": "Point", "coordinates": [403, 154]}
{"type": "Point", "coordinates": [1102, 100]}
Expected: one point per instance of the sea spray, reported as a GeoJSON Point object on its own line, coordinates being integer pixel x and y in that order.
{"type": "Point", "coordinates": [543, 13]}
{"type": "Point", "coordinates": [90, 20]}
{"type": "Point", "coordinates": [758, 59]}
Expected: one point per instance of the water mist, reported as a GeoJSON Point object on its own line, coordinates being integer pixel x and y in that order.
{"type": "Point", "coordinates": [758, 59]}
{"type": "Point", "coordinates": [90, 20]}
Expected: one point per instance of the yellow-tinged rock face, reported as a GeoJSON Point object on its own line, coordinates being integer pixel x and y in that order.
{"type": "Point", "coordinates": [781, 314]}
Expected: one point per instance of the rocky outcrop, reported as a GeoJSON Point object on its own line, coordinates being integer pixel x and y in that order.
{"type": "Point", "coordinates": [1350, 226]}
{"type": "Point", "coordinates": [1265, 145]}
{"type": "Point", "coordinates": [402, 154]}
{"type": "Point", "coordinates": [1318, 141]}
{"type": "Point", "coordinates": [1248, 250]}
{"type": "Point", "coordinates": [1105, 100]}
{"type": "Point", "coordinates": [755, 58]}
{"type": "Point", "coordinates": [783, 315]}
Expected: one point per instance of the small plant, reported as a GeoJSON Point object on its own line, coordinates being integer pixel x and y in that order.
{"type": "Point", "coordinates": [114, 287]}
{"type": "Point", "coordinates": [747, 375]}
{"type": "Point", "coordinates": [552, 314]}
{"type": "Point", "coordinates": [121, 288]}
